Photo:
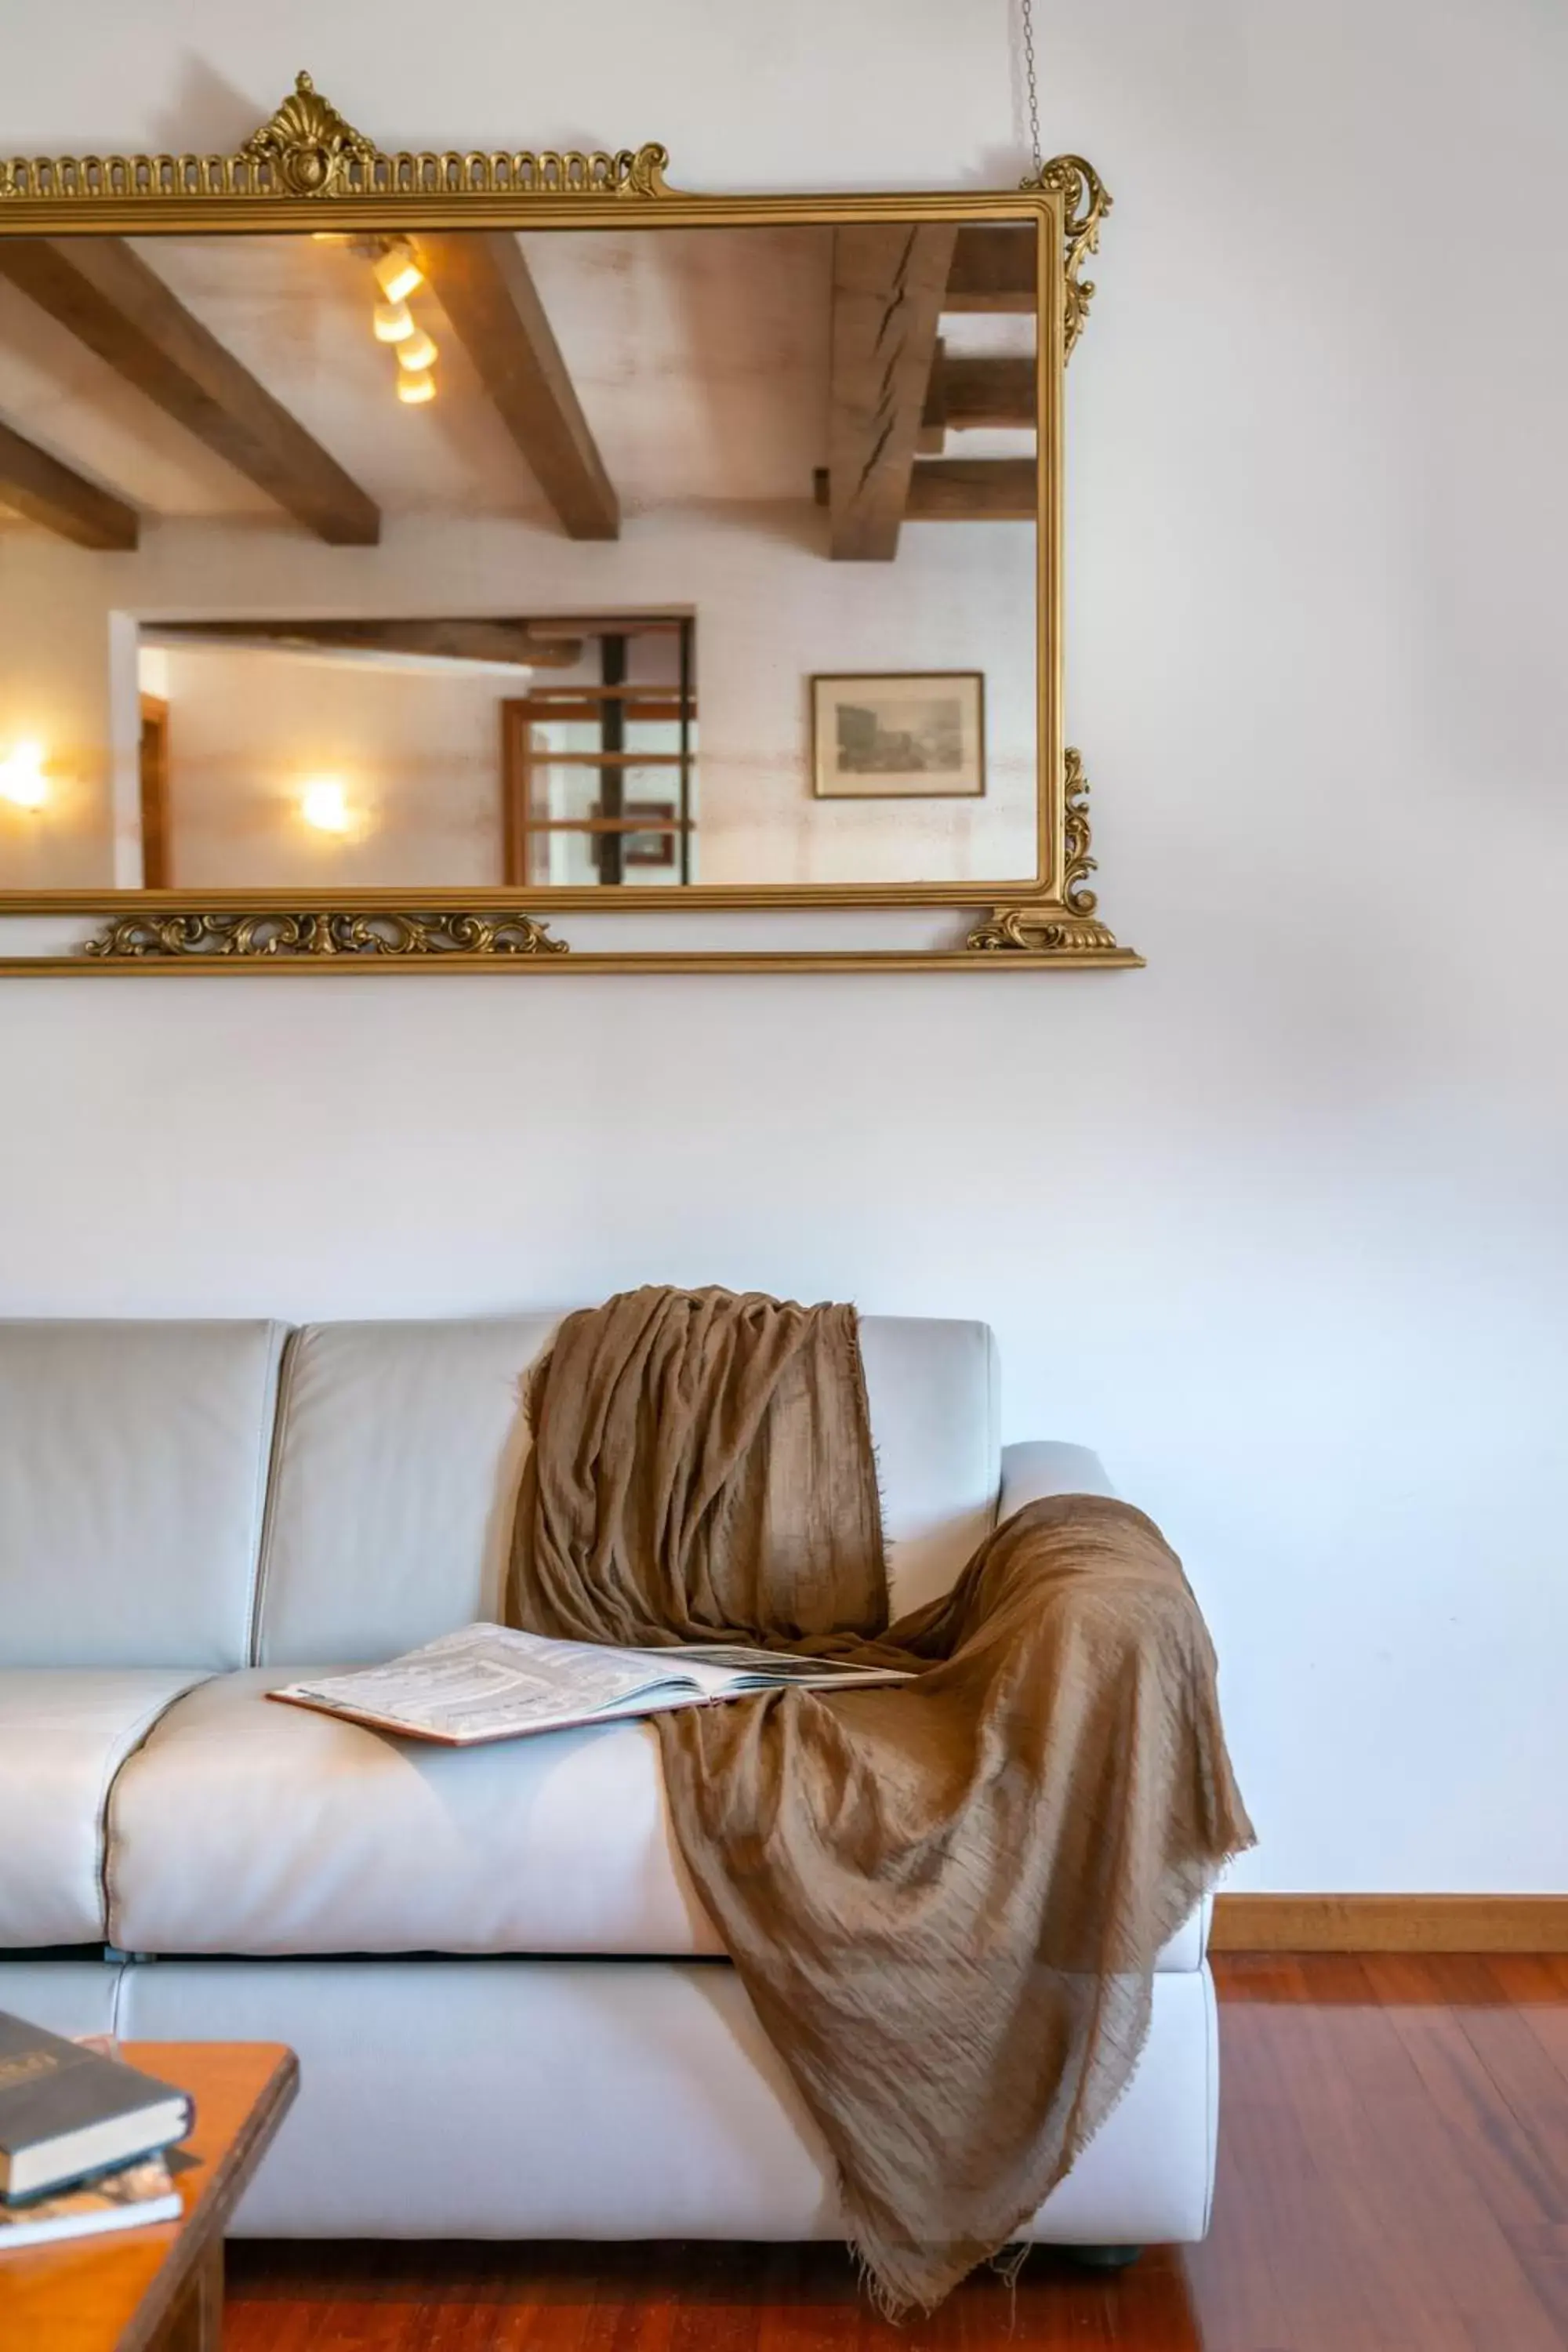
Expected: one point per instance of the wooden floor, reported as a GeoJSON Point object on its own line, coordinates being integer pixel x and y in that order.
{"type": "Point", "coordinates": [1393, 2178]}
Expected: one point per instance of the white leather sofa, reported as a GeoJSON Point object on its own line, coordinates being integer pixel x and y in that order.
{"type": "Point", "coordinates": [512, 2015]}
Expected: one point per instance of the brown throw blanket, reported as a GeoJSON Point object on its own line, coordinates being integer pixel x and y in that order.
{"type": "Point", "coordinates": [945, 1898]}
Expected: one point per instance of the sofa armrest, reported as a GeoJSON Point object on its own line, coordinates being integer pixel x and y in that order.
{"type": "Point", "coordinates": [1042, 1468]}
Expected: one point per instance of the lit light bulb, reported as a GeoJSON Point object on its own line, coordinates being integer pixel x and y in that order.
{"type": "Point", "coordinates": [417, 354]}
{"type": "Point", "coordinates": [21, 779]}
{"type": "Point", "coordinates": [415, 390]}
{"type": "Point", "coordinates": [397, 274]}
{"type": "Point", "coordinates": [324, 806]}
{"type": "Point", "coordinates": [393, 322]}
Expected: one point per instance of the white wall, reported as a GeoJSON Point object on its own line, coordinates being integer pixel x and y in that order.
{"type": "Point", "coordinates": [416, 752]}
{"type": "Point", "coordinates": [1279, 1223]}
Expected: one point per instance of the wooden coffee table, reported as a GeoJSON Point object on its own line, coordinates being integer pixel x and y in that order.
{"type": "Point", "coordinates": [159, 2286]}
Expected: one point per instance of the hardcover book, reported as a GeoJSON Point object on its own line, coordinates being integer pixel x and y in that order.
{"type": "Point", "coordinates": [119, 2201]}
{"type": "Point", "coordinates": [66, 2112]}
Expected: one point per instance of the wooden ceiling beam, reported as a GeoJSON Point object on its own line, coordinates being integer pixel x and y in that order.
{"type": "Point", "coordinates": [963, 490]}
{"type": "Point", "coordinates": [889, 282]}
{"type": "Point", "coordinates": [112, 301]}
{"type": "Point", "coordinates": [483, 283]}
{"type": "Point", "coordinates": [973, 489]}
{"type": "Point", "coordinates": [992, 268]}
{"type": "Point", "coordinates": [502, 641]}
{"type": "Point", "coordinates": [39, 487]}
{"type": "Point", "coordinates": [969, 390]}
{"type": "Point", "coordinates": [931, 438]}
{"type": "Point", "coordinates": [978, 391]}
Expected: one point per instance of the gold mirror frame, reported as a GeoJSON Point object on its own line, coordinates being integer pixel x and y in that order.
{"type": "Point", "coordinates": [307, 163]}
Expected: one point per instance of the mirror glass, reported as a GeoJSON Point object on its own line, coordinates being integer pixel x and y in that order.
{"type": "Point", "coordinates": [590, 558]}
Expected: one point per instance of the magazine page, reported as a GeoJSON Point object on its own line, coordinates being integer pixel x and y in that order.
{"type": "Point", "coordinates": [487, 1681]}
{"type": "Point", "coordinates": [490, 1682]}
{"type": "Point", "coordinates": [765, 1667]}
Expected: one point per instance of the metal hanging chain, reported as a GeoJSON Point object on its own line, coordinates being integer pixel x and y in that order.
{"type": "Point", "coordinates": [1028, 8]}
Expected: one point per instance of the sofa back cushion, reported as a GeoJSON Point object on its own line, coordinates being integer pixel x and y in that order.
{"type": "Point", "coordinates": [133, 1461]}
{"type": "Point", "coordinates": [400, 1448]}
{"type": "Point", "coordinates": [934, 1396]}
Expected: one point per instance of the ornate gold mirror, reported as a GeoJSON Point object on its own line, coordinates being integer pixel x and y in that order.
{"type": "Point", "coordinates": [507, 560]}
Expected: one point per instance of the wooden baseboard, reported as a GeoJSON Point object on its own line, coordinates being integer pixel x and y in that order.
{"type": "Point", "coordinates": [1390, 1923]}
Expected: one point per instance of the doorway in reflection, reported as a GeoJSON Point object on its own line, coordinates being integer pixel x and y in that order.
{"type": "Point", "coordinates": [598, 773]}
{"type": "Point", "coordinates": [390, 753]}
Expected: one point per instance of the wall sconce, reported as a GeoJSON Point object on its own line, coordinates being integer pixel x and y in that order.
{"type": "Point", "coordinates": [325, 804]}
{"type": "Point", "coordinates": [21, 779]}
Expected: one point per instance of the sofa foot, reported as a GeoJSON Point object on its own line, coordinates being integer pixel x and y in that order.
{"type": "Point", "coordinates": [1101, 2258]}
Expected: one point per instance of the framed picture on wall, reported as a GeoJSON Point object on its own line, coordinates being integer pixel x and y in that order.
{"type": "Point", "coordinates": [657, 846]}
{"type": "Point", "coordinates": [901, 735]}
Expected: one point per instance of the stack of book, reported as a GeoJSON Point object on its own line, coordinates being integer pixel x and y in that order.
{"type": "Point", "coordinates": [83, 2139]}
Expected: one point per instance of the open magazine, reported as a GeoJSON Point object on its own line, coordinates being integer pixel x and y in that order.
{"type": "Point", "coordinates": [488, 1682]}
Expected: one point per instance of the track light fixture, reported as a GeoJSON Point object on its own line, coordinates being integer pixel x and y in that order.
{"type": "Point", "coordinates": [398, 276]}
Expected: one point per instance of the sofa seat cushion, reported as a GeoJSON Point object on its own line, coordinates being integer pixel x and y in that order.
{"type": "Point", "coordinates": [248, 1827]}
{"type": "Point", "coordinates": [244, 1827]}
{"type": "Point", "coordinates": [64, 1732]}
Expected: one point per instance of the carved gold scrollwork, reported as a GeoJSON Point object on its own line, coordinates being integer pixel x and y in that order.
{"type": "Point", "coordinates": [1076, 895]}
{"type": "Point", "coordinates": [309, 145]}
{"type": "Point", "coordinates": [1086, 202]}
{"type": "Point", "coordinates": [1040, 932]}
{"type": "Point", "coordinates": [284, 935]}
{"type": "Point", "coordinates": [1068, 929]}
{"type": "Point", "coordinates": [308, 149]}
{"type": "Point", "coordinates": [642, 173]}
